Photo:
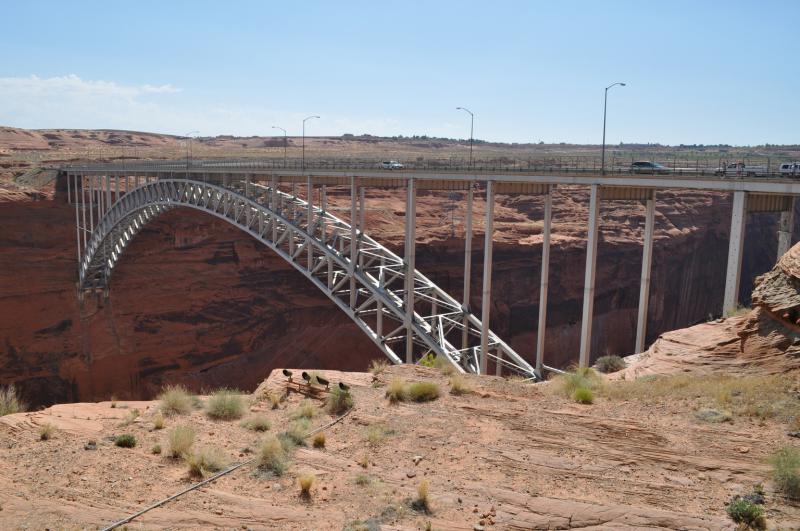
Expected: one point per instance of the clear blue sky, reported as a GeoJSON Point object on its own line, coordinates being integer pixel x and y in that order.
{"type": "Point", "coordinates": [697, 72]}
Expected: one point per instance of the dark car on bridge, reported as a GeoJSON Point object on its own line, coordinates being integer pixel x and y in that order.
{"type": "Point", "coordinates": [648, 166]}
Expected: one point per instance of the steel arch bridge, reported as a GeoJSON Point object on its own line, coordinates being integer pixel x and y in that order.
{"type": "Point", "coordinates": [367, 281]}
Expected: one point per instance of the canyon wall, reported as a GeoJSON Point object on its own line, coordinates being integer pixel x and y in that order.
{"type": "Point", "coordinates": [197, 302]}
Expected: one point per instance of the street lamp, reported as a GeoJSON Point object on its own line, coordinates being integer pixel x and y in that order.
{"type": "Point", "coordinates": [284, 143]}
{"type": "Point", "coordinates": [471, 129]}
{"type": "Point", "coordinates": [189, 145]}
{"type": "Point", "coordinates": [304, 139]}
{"type": "Point", "coordinates": [605, 105]}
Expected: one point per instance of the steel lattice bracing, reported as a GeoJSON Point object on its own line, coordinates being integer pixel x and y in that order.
{"type": "Point", "coordinates": [364, 278]}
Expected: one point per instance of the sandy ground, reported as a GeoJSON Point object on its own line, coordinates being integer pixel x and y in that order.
{"type": "Point", "coordinates": [510, 455]}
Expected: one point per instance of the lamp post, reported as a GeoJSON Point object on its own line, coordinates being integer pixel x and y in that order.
{"type": "Point", "coordinates": [284, 143]}
{"type": "Point", "coordinates": [189, 146]}
{"type": "Point", "coordinates": [304, 139]}
{"type": "Point", "coordinates": [471, 129]}
{"type": "Point", "coordinates": [605, 106]}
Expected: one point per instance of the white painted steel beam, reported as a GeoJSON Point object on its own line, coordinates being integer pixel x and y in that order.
{"type": "Point", "coordinates": [735, 248]}
{"type": "Point", "coordinates": [644, 286]}
{"type": "Point", "coordinates": [410, 265]}
{"type": "Point", "coordinates": [544, 281]}
{"type": "Point", "coordinates": [486, 290]}
{"type": "Point", "coordinates": [467, 264]}
{"type": "Point", "coordinates": [589, 278]}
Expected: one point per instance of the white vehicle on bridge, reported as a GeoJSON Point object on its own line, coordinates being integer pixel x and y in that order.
{"type": "Point", "coordinates": [391, 165]}
{"type": "Point", "coordinates": [740, 169]}
{"type": "Point", "coordinates": [790, 168]}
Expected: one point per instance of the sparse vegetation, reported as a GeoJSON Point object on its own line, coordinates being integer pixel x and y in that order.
{"type": "Point", "coordinates": [422, 503]}
{"type": "Point", "coordinates": [376, 367]}
{"type": "Point", "coordinates": [181, 439]}
{"type": "Point", "coordinates": [156, 449]}
{"type": "Point", "coordinates": [296, 434]}
{"type": "Point", "coordinates": [396, 390]}
{"type": "Point", "coordinates": [363, 461]}
{"type": "Point", "coordinates": [130, 418]}
{"type": "Point", "coordinates": [319, 440]}
{"type": "Point", "coordinates": [362, 480]}
{"type": "Point", "coordinates": [272, 456]}
{"type": "Point", "coordinates": [339, 401]}
{"type": "Point", "coordinates": [275, 399]}
{"type": "Point", "coordinates": [583, 378]}
{"type": "Point", "coordinates": [305, 410]}
{"type": "Point", "coordinates": [46, 431]}
{"type": "Point", "coordinates": [747, 513]}
{"type": "Point", "coordinates": [226, 404]}
{"type": "Point", "coordinates": [175, 400]}
{"type": "Point", "coordinates": [256, 423]}
{"type": "Point", "coordinates": [306, 481]}
{"type": "Point", "coordinates": [377, 433]}
{"type": "Point", "coordinates": [10, 401]}
{"type": "Point", "coordinates": [423, 391]}
{"type": "Point", "coordinates": [786, 471]}
{"type": "Point", "coordinates": [610, 363]}
{"type": "Point", "coordinates": [126, 440]}
{"type": "Point", "coordinates": [459, 385]}
{"type": "Point", "coordinates": [206, 460]}
{"type": "Point", "coordinates": [738, 311]}
{"type": "Point", "coordinates": [158, 421]}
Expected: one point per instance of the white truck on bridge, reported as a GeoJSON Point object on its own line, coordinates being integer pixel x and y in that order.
{"type": "Point", "coordinates": [740, 169]}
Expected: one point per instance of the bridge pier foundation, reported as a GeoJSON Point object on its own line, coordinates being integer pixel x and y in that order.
{"type": "Point", "coordinates": [647, 260]}
{"type": "Point", "coordinates": [733, 275]}
{"type": "Point", "coordinates": [486, 290]}
{"type": "Point", "coordinates": [589, 278]}
{"type": "Point", "coordinates": [544, 283]}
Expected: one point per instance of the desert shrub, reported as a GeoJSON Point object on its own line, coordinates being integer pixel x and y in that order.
{"type": "Point", "coordinates": [272, 456]}
{"type": "Point", "coordinates": [319, 440]}
{"type": "Point", "coordinates": [181, 439]}
{"type": "Point", "coordinates": [296, 434]}
{"type": "Point", "coordinates": [378, 366]}
{"type": "Point", "coordinates": [130, 418]}
{"type": "Point", "coordinates": [156, 449]}
{"type": "Point", "coordinates": [339, 401]}
{"type": "Point", "coordinates": [158, 421]}
{"type": "Point", "coordinates": [423, 391]}
{"type": "Point", "coordinates": [428, 360]}
{"type": "Point", "coordinates": [256, 423]}
{"type": "Point", "coordinates": [611, 363]}
{"type": "Point", "coordinates": [459, 385]}
{"type": "Point", "coordinates": [747, 513]}
{"type": "Point", "coordinates": [396, 390]}
{"type": "Point", "coordinates": [377, 433]}
{"type": "Point", "coordinates": [275, 399]}
{"type": "Point", "coordinates": [46, 431]}
{"type": "Point", "coordinates": [126, 440]}
{"type": "Point", "coordinates": [786, 471]}
{"type": "Point", "coordinates": [566, 384]}
{"type": "Point", "coordinates": [422, 503]}
{"type": "Point", "coordinates": [10, 401]}
{"type": "Point", "coordinates": [306, 481]}
{"type": "Point", "coordinates": [444, 365]}
{"type": "Point", "coordinates": [362, 480]}
{"type": "Point", "coordinates": [363, 461]}
{"type": "Point", "coordinates": [305, 410]}
{"type": "Point", "coordinates": [175, 400]}
{"type": "Point", "coordinates": [204, 461]}
{"type": "Point", "coordinates": [226, 404]}
{"type": "Point", "coordinates": [583, 395]}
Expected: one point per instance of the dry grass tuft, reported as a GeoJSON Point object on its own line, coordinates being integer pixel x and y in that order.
{"type": "Point", "coordinates": [130, 418]}
{"type": "Point", "coordinates": [362, 480]}
{"type": "Point", "coordinates": [611, 363]}
{"type": "Point", "coordinates": [376, 367]}
{"type": "Point", "coordinates": [396, 390]}
{"type": "Point", "coordinates": [444, 365]}
{"type": "Point", "coordinates": [226, 404]}
{"type": "Point", "coordinates": [181, 439]}
{"type": "Point", "coordinates": [275, 399]}
{"type": "Point", "coordinates": [319, 440]}
{"type": "Point", "coordinates": [363, 461]}
{"type": "Point", "coordinates": [296, 434]}
{"type": "Point", "coordinates": [377, 433]}
{"type": "Point", "coordinates": [306, 481]}
{"type": "Point", "coordinates": [175, 400]}
{"type": "Point", "coordinates": [156, 449]}
{"type": "Point", "coordinates": [207, 460]}
{"type": "Point", "coordinates": [305, 410]}
{"type": "Point", "coordinates": [566, 384]}
{"type": "Point", "coordinates": [423, 391]}
{"type": "Point", "coordinates": [423, 502]}
{"type": "Point", "coordinates": [10, 401]}
{"type": "Point", "coordinates": [339, 401]}
{"type": "Point", "coordinates": [583, 395]}
{"type": "Point", "coordinates": [256, 423]}
{"type": "Point", "coordinates": [158, 421]}
{"type": "Point", "coordinates": [786, 471]}
{"type": "Point", "coordinates": [272, 456]}
{"type": "Point", "coordinates": [459, 385]}
{"type": "Point", "coordinates": [46, 431]}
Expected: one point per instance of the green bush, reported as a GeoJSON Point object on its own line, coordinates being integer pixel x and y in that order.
{"type": "Point", "coordinates": [339, 401]}
{"type": "Point", "coordinates": [612, 363]}
{"type": "Point", "coordinates": [156, 449]}
{"type": "Point", "coordinates": [748, 513]}
{"type": "Point", "coordinates": [583, 395]}
{"type": "Point", "coordinates": [125, 440]}
{"type": "Point", "coordinates": [226, 404]}
{"type": "Point", "coordinates": [566, 384]}
{"type": "Point", "coordinates": [786, 471]}
{"type": "Point", "coordinates": [423, 391]}
{"type": "Point", "coordinates": [175, 400]}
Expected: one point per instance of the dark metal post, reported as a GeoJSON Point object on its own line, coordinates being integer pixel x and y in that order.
{"type": "Point", "coordinates": [605, 106]}
{"type": "Point", "coordinates": [303, 166]}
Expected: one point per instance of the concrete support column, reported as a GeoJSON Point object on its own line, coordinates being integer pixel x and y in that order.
{"type": "Point", "coordinates": [310, 220]}
{"type": "Point", "coordinates": [785, 226]}
{"type": "Point", "coordinates": [353, 241]}
{"type": "Point", "coordinates": [77, 216]}
{"type": "Point", "coordinates": [588, 280]}
{"type": "Point", "coordinates": [647, 262]}
{"type": "Point", "coordinates": [107, 184]}
{"type": "Point", "coordinates": [544, 283]}
{"type": "Point", "coordinates": [486, 292]}
{"type": "Point", "coordinates": [91, 203]}
{"type": "Point", "coordinates": [467, 264]}
{"type": "Point", "coordinates": [362, 206]}
{"type": "Point", "coordinates": [116, 179]}
{"type": "Point", "coordinates": [83, 208]}
{"type": "Point", "coordinates": [738, 213]}
{"type": "Point", "coordinates": [410, 260]}
{"type": "Point", "coordinates": [323, 205]}
{"type": "Point", "coordinates": [69, 190]}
